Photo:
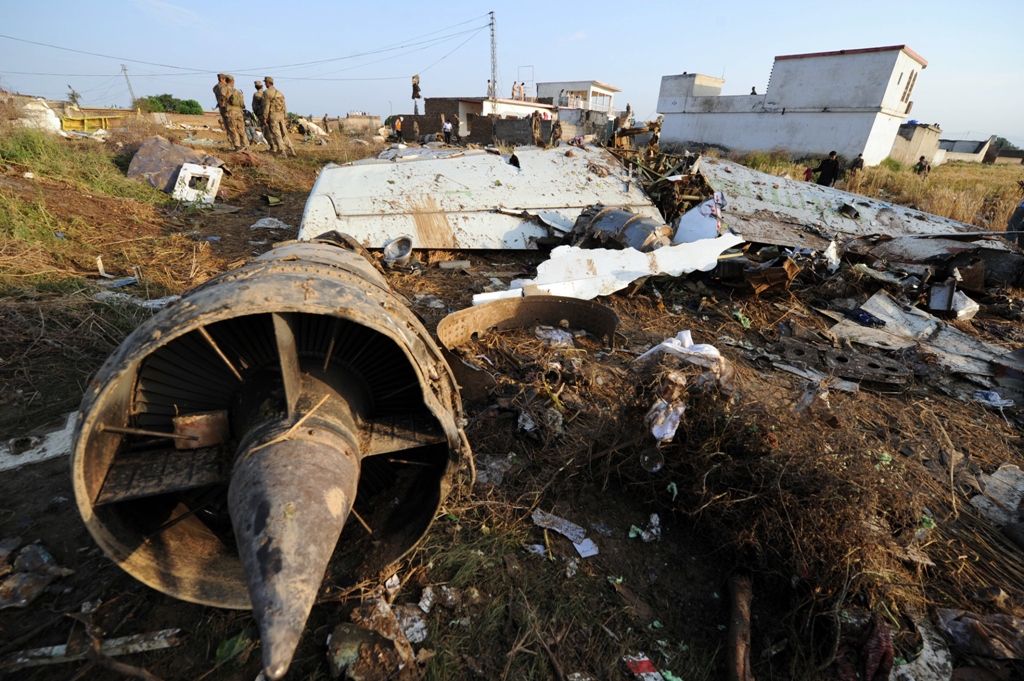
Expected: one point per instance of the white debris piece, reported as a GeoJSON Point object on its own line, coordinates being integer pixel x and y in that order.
{"type": "Point", "coordinates": [41, 445]}
{"type": "Point", "coordinates": [664, 417]}
{"type": "Point", "coordinates": [574, 532]}
{"type": "Point", "coordinates": [269, 223]}
{"type": "Point", "coordinates": [197, 184]}
{"type": "Point", "coordinates": [555, 338]}
{"type": "Point", "coordinates": [586, 548]}
{"type": "Point", "coordinates": [154, 304]}
{"type": "Point", "coordinates": [934, 663]}
{"type": "Point", "coordinates": [589, 273]}
{"type": "Point", "coordinates": [410, 619]}
{"type": "Point", "coordinates": [700, 354]}
{"type": "Point", "coordinates": [702, 222]}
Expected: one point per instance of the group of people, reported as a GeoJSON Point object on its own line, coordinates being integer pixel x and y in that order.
{"type": "Point", "coordinates": [269, 113]}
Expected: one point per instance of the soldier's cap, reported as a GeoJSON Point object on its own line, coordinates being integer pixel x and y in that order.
{"type": "Point", "coordinates": [229, 78]}
{"type": "Point", "coordinates": [220, 76]}
{"type": "Point", "coordinates": [268, 80]}
{"type": "Point", "coordinates": [258, 84]}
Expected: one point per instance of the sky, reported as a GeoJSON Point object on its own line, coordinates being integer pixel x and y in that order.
{"type": "Point", "coordinates": [336, 57]}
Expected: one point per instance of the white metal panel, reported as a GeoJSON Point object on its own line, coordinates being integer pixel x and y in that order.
{"type": "Point", "coordinates": [476, 200]}
{"type": "Point", "coordinates": [776, 210]}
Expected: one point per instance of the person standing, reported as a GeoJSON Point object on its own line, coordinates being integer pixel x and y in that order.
{"type": "Point", "coordinates": [327, 126]}
{"type": "Point", "coordinates": [446, 128]}
{"type": "Point", "coordinates": [234, 120]}
{"type": "Point", "coordinates": [220, 91]}
{"type": "Point", "coordinates": [828, 170]}
{"type": "Point", "coordinates": [857, 164]}
{"type": "Point", "coordinates": [257, 104]}
{"type": "Point", "coordinates": [922, 168]}
{"type": "Point", "coordinates": [515, 89]}
{"type": "Point", "coordinates": [275, 113]}
{"type": "Point", "coordinates": [398, 128]}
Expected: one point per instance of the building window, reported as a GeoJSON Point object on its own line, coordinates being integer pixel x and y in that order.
{"type": "Point", "coordinates": [909, 87]}
{"type": "Point", "coordinates": [900, 79]}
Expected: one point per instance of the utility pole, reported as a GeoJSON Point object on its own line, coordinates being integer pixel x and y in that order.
{"type": "Point", "coordinates": [124, 70]}
{"type": "Point", "coordinates": [494, 59]}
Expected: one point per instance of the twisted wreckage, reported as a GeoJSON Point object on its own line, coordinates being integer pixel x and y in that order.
{"type": "Point", "coordinates": [221, 450]}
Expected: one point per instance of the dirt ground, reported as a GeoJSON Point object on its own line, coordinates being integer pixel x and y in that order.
{"type": "Point", "coordinates": [748, 485]}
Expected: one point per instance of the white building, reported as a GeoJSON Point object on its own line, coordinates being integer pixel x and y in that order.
{"type": "Point", "coordinates": [850, 101]}
{"type": "Point", "coordinates": [580, 94]}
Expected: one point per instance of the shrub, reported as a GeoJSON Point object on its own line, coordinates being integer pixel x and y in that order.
{"type": "Point", "coordinates": [190, 106]}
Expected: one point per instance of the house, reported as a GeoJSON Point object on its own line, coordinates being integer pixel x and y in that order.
{"type": "Point", "coordinates": [969, 151]}
{"type": "Point", "coordinates": [850, 101]}
{"type": "Point", "coordinates": [467, 108]}
{"type": "Point", "coordinates": [592, 95]}
{"type": "Point", "coordinates": [914, 140]}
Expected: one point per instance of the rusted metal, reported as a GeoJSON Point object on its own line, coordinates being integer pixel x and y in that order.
{"type": "Point", "coordinates": [317, 370]}
{"type": "Point", "coordinates": [197, 431]}
{"type": "Point", "coordinates": [460, 327]}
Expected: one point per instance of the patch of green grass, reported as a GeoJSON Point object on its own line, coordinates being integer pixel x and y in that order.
{"type": "Point", "coordinates": [87, 165]}
{"type": "Point", "coordinates": [891, 164]}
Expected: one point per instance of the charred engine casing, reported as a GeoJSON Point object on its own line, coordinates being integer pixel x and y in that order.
{"type": "Point", "coordinates": [618, 228]}
{"type": "Point", "coordinates": [220, 450]}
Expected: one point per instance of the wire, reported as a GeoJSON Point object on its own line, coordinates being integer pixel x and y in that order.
{"type": "Point", "coordinates": [95, 54]}
{"type": "Point", "coordinates": [68, 75]}
{"type": "Point", "coordinates": [450, 53]}
{"type": "Point", "coordinates": [388, 48]}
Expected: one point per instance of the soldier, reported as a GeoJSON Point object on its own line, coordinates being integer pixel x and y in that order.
{"type": "Point", "coordinates": [275, 112]}
{"type": "Point", "coordinates": [535, 129]}
{"type": "Point", "coordinates": [257, 105]}
{"type": "Point", "coordinates": [234, 120]}
{"type": "Point", "coordinates": [221, 93]}
{"type": "Point", "coordinates": [327, 127]}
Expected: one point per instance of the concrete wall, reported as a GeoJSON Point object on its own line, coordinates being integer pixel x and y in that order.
{"type": "Point", "coordinates": [360, 124]}
{"type": "Point", "coordinates": [428, 124]}
{"type": "Point", "coordinates": [518, 131]}
{"type": "Point", "coordinates": [852, 103]}
{"type": "Point", "coordinates": [914, 141]}
{"type": "Point", "coordinates": [799, 133]}
{"type": "Point", "coordinates": [1010, 157]}
{"type": "Point", "coordinates": [581, 122]}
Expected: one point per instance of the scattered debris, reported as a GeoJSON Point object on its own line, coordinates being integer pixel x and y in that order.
{"type": "Point", "coordinates": [588, 273]}
{"type": "Point", "coordinates": [650, 533]}
{"type": "Point", "coordinates": [158, 162]}
{"type": "Point", "coordinates": [33, 570]}
{"type": "Point", "coordinates": [572, 531]}
{"type": "Point", "coordinates": [38, 445]}
{"type": "Point", "coordinates": [719, 369]}
{"type": "Point", "coordinates": [124, 298]}
{"type": "Point", "coordinates": [113, 647]}
{"type": "Point", "coordinates": [197, 184]}
{"type": "Point", "coordinates": [995, 636]}
{"type": "Point", "coordinates": [269, 223]}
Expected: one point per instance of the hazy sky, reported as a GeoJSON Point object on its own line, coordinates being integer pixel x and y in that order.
{"type": "Point", "coordinates": [973, 86]}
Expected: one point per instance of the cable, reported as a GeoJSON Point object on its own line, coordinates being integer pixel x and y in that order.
{"type": "Point", "coordinates": [63, 75]}
{"type": "Point", "coordinates": [450, 53]}
{"type": "Point", "coordinates": [95, 54]}
{"type": "Point", "coordinates": [387, 48]}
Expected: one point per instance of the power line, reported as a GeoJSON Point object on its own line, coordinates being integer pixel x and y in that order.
{"type": "Point", "coordinates": [450, 53]}
{"type": "Point", "coordinates": [95, 54]}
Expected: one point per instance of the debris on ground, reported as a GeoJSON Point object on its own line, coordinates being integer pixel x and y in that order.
{"type": "Point", "coordinates": [269, 223]}
{"type": "Point", "coordinates": [158, 162]}
{"type": "Point", "coordinates": [32, 571]}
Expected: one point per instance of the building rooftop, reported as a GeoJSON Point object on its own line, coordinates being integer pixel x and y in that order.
{"type": "Point", "coordinates": [891, 48]}
{"type": "Point", "coordinates": [603, 86]}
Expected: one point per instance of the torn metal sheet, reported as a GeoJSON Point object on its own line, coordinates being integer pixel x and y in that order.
{"type": "Point", "coordinates": [460, 327]}
{"type": "Point", "coordinates": [113, 647]}
{"type": "Point", "coordinates": [785, 212]}
{"type": "Point", "coordinates": [465, 201]}
{"type": "Point", "coordinates": [158, 161]}
{"type": "Point", "coordinates": [39, 445]}
{"type": "Point", "coordinates": [908, 327]}
{"type": "Point", "coordinates": [588, 273]}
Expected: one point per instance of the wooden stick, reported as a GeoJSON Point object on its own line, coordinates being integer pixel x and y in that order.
{"type": "Point", "coordinates": [740, 593]}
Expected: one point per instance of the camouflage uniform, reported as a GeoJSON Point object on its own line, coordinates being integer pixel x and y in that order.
{"type": "Point", "coordinates": [221, 92]}
{"type": "Point", "coordinates": [234, 120]}
{"type": "Point", "coordinates": [275, 111]}
{"type": "Point", "coordinates": [257, 106]}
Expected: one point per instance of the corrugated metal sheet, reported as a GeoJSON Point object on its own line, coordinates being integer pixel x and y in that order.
{"type": "Point", "coordinates": [474, 200]}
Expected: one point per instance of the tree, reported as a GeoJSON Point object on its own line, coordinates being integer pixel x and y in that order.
{"type": "Point", "coordinates": [190, 106]}
{"type": "Point", "coordinates": [148, 105]}
{"type": "Point", "coordinates": [1003, 144]}
{"type": "Point", "coordinates": [74, 97]}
